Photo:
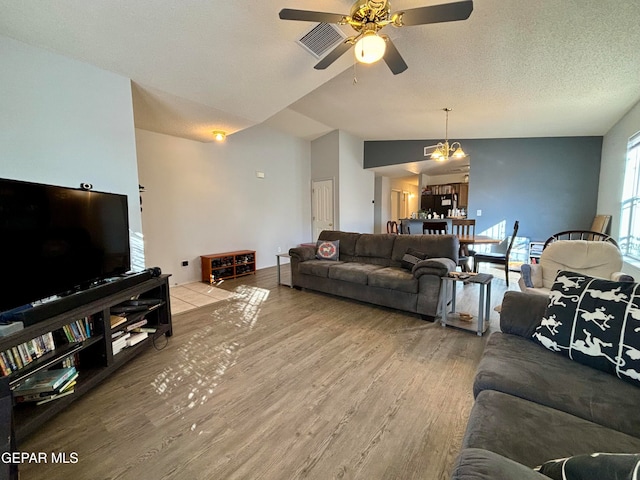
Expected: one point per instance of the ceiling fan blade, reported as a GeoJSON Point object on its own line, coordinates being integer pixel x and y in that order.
{"type": "Point", "coordinates": [333, 55]}
{"type": "Point", "coordinates": [393, 59]}
{"type": "Point", "coordinates": [448, 12]}
{"type": "Point", "coordinates": [309, 16]}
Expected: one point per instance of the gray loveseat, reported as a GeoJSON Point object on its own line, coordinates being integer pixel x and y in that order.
{"type": "Point", "coordinates": [369, 269]}
{"type": "Point", "coordinates": [533, 405]}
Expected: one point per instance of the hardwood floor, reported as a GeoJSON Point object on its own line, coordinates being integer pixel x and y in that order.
{"type": "Point", "coordinates": [276, 383]}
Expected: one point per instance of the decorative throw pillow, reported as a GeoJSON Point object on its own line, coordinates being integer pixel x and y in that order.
{"type": "Point", "coordinates": [411, 257]}
{"type": "Point", "coordinates": [326, 250]}
{"type": "Point", "coordinates": [601, 466]}
{"type": "Point", "coordinates": [595, 322]}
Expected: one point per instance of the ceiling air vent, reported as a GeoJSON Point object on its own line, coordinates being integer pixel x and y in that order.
{"type": "Point", "coordinates": [321, 39]}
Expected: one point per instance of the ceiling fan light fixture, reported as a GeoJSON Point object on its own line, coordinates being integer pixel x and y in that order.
{"type": "Point", "coordinates": [370, 48]}
{"type": "Point", "coordinates": [219, 135]}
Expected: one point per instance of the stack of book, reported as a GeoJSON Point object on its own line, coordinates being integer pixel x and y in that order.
{"type": "Point", "coordinates": [119, 341]}
{"type": "Point", "coordinates": [46, 385]}
{"type": "Point", "coordinates": [128, 339]}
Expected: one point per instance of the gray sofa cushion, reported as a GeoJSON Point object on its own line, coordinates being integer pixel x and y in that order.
{"type": "Point", "coordinates": [319, 268]}
{"type": "Point", "coordinates": [532, 434]}
{"type": "Point", "coordinates": [353, 272]}
{"type": "Point", "coordinates": [394, 278]}
{"type": "Point", "coordinates": [479, 464]}
{"type": "Point", "coordinates": [520, 367]}
{"type": "Point", "coordinates": [375, 248]}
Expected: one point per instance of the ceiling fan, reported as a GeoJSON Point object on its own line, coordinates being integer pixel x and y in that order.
{"type": "Point", "coordinates": [367, 17]}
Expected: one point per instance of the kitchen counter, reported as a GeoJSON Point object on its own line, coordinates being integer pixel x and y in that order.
{"type": "Point", "coordinates": [415, 224]}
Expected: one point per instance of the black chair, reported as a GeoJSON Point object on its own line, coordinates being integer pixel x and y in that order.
{"type": "Point", "coordinates": [434, 228]}
{"type": "Point", "coordinates": [590, 235]}
{"type": "Point", "coordinates": [496, 257]}
{"type": "Point", "coordinates": [392, 227]}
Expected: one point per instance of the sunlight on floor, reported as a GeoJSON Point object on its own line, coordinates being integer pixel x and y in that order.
{"type": "Point", "coordinates": [204, 362]}
{"type": "Point", "coordinates": [193, 295]}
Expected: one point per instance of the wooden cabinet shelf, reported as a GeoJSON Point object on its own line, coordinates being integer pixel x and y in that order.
{"type": "Point", "coordinates": [223, 266]}
{"type": "Point", "coordinates": [57, 341]}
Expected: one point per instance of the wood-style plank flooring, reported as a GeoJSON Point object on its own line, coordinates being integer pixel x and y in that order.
{"type": "Point", "coordinates": [276, 383]}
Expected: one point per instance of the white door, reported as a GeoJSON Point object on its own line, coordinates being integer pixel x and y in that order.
{"type": "Point", "coordinates": [322, 206]}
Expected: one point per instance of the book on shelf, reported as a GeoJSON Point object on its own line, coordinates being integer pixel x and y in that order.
{"type": "Point", "coordinates": [121, 342]}
{"type": "Point", "coordinates": [145, 329]}
{"type": "Point", "coordinates": [137, 324]}
{"type": "Point", "coordinates": [44, 381]}
{"type": "Point", "coordinates": [136, 338]}
{"type": "Point", "coordinates": [116, 320]}
{"type": "Point", "coordinates": [20, 356]}
{"type": "Point", "coordinates": [54, 397]}
{"type": "Point", "coordinates": [69, 385]}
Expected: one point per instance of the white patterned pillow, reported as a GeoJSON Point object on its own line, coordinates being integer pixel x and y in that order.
{"type": "Point", "coordinates": [595, 322]}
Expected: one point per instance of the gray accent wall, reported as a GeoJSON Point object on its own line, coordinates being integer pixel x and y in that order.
{"type": "Point", "coordinates": [548, 184]}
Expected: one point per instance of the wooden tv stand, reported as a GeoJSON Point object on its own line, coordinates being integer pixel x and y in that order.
{"type": "Point", "coordinates": [94, 356]}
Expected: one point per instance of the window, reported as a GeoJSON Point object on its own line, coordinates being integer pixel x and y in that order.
{"type": "Point", "coordinates": [629, 239]}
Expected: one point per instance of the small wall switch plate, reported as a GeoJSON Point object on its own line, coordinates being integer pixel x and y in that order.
{"type": "Point", "coordinates": [260, 174]}
{"type": "Point", "coordinates": [478, 213]}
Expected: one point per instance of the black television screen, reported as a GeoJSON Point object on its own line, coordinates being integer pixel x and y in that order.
{"type": "Point", "coordinates": [55, 240]}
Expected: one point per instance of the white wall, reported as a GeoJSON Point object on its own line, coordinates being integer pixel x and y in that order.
{"type": "Point", "coordinates": [356, 187]}
{"type": "Point", "coordinates": [203, 198]}
{"type": "Point", "coordinates": [65, 122]}
{"type": "Point", "coordinates": [614, 156]}
{"type": "Point", "coordinates": [325, 165]}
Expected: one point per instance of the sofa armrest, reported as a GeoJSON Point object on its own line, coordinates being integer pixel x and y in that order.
{"type": "Point", "coordinates": [303, 253]}
{"type": "Point", "coordinates": [521, 313]}
{"type": "Point", "coordinates": [440, 267]}
{"type": "Point", "coordinates": [622, 277]}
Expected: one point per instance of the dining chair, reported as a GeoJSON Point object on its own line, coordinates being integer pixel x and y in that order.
{"type": "Point", "coordinates": [392, 227]}
{"type": "Point", "coordinates": [467, 228]}
{"type": "Point", "coordinates": [434, 228]}
{"type": "Point", "coordinates": [497, 257]}
{"type": "Point", "coordinates": [590, 235]}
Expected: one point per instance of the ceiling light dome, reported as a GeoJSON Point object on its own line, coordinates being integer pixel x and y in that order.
{"type": "Point", "coordinates": [370, 48]}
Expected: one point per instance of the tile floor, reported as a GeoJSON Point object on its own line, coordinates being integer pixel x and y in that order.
{"type": "Point", "coordinates": [193, 295]}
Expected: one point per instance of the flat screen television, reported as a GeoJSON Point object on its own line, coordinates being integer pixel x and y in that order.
{"type": "Point", "coordinates": [57, 240]}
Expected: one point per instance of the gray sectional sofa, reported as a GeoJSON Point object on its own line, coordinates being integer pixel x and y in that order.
{"type": "Point", "coordinates": [369, 269]}
{"type": "Point", "coordinates": [533, 405]}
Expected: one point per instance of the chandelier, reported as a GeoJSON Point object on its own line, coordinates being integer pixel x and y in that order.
{"type": "Point", "coordinates": [443, 150]}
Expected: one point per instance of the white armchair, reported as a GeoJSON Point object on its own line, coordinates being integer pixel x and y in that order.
{"type": "Point", "coordinates": [593, 258]}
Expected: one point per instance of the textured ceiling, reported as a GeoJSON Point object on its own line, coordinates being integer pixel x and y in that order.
{"type": "Point", "coordinates": [516, 68]}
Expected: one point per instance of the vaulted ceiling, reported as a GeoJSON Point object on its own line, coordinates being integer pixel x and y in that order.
{"type": "Point", "coordinates": [515, 68]}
